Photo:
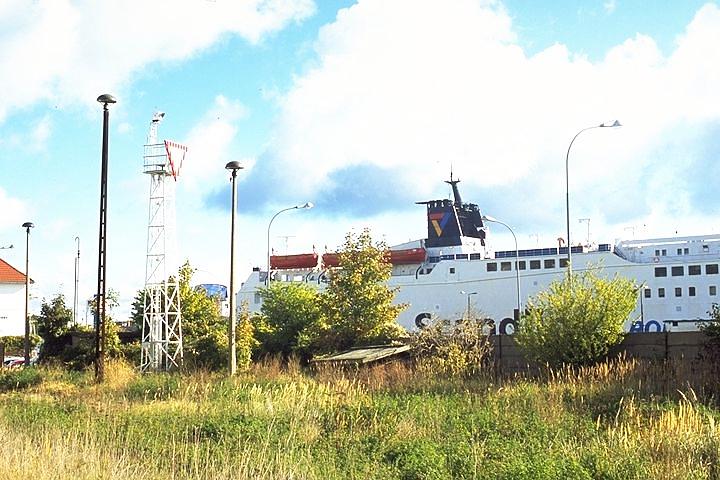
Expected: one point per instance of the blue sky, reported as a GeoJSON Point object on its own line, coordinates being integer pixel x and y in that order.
{"type": "Point", "coordinates": [360, 107]}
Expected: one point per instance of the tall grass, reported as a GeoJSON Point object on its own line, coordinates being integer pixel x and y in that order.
{"type": "Point", "coordinates": [621, 419]}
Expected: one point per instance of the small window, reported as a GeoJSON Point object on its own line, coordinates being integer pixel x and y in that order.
{"type": "Point", "coordinates": [257, 298]}
{"type": "Point", "coordinates": [694, 270]}
{"type": "Point", "coordinates": [492, 267]}
{"type": "Point", "coordinates": [648, 293]}
{"type": "Point", "coordinates": [706, 248]}
{"type": "Point", "coordinates": [452, 270]}
{"type": "Point", "coordinates": [711, 269]}
{"type": "Point", "coordinates": [476, 256]}
{"type": "Point", "coordinates": [691, 291]}
{"type": "Point", "coordinates": [678, 292]}
{"type": "Point", "coordinates": [678, 271]}
{"type": "Point", "coordinates": [686, 251]}
{"type": "Point", "coordinates": [664, 252]}
{"type": "Point", "coordinates": [563, 263]}
{"type": "Point", "coordinates": [534, 264]}
{"type": "Point", "coordinates": [657, 253]}
{"type": "Point", "coordinates": [713, 290]}
{"type": "Point", "coordinates": [661, 292]}
{"type": "Point", "coordinates": [679, 251]}
{"type": "Point", "coordinates": [522, 265]}
{"type": "Point", "coordinates": [461, 256]}
{"type": "Point", "coordinates": [661, 271]}
{"type": "Point", "coordinates": [549, 263]}
{"type": "Point", "coordinates": [505, 266]}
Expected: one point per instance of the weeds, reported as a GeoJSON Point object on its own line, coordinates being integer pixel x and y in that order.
{"type": "Point", "coordinates": [618, 420]}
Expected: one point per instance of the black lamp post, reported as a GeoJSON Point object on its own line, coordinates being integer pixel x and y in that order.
{"type": "Point", "coordinates": [27, 226]}
{"type": "Point", "coordinates": [105, 99]}
{"type": "Point", "coordinates": [233, 166]}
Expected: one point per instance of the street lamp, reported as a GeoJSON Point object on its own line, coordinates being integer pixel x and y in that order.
{"type": "Point", "coordinates": [296, 207]}
{"type": "Point", "coordinates": [487, 218]}
{"type": "Point", "coordinates": [233, 166]}
{"type": "Point", "coordinates": [27, 226]}
{"type": "Point", "coordinates": [462, 292]}
{"type": "Point", "coordinates": [77, 279]}
{"type": "Point", "coordinates": [106, 100]}
{"type": "Point", "coordinates": [567, 185]}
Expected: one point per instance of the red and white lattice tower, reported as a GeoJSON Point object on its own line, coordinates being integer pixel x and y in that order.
{"type": "Point", "coordinates": [162, 345]}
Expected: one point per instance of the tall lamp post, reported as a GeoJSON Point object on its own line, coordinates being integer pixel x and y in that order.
{"type": "Point", "coordinates": [462, 292]}
{"type": "Point", "coordinates": [487, 218]}
{"type": "Point", "coordinates": [27, 226]}
{"type": "Point", "coordinates": [77, 280]}
{"type": "Point", "coordinates": [106, 100]}
{"type": "Point", "coordinates": [305, 205]}
{"type": "Point", "coordinates": [233, 166]}
{"type": "Point", "coordinates": [567, 185]}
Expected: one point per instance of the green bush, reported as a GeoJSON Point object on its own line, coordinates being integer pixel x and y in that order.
{"type": "Point", "coordinates": [577, 319]}
{"type": "Point", "coordinates": [461, 349]}
{"type": "Point", "coordinates": [19, 379]}
{"type": "Point", "coordinates": [418, 459]}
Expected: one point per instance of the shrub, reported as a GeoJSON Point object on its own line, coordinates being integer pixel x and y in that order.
{"type": "Point", "coordinates": [461, 349]}
{"type": "Point", "coordinates": [577, 319]}
{"type": "Point", "coordinates": [287, 309]}
{"type": "Point", "coordinates": [18, 379]}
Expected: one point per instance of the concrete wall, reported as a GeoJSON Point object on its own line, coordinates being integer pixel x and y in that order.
{"type": "Point", "coordinates": [687, 346]}
{"type": "Point", "coordinates": [12, 309]}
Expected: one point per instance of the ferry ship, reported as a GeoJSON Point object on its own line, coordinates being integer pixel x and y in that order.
{"type": "Point", "coordinates": [452, 273]}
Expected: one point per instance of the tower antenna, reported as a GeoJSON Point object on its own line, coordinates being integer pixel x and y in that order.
{"type": "Point", "coordinates": [162, 345]}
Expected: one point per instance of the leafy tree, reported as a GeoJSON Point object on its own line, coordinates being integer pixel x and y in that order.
{"type": "Point", "coordinates": [357, 304]}
{"type": "Point", "coordinates": [577, 319]}
{"type": "Point", "coordinates": [287, 310]}
{"type": "Point", "coordinates": [52, 326]}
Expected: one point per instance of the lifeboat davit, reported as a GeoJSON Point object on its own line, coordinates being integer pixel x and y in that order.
{"type": "Point", "coordinates": [397, 257]}
{"type": "Point", "coordinates": [288, 262]}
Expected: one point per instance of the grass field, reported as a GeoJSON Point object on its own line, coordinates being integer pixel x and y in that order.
{"type": "Point", "coordinates": [619, 420]}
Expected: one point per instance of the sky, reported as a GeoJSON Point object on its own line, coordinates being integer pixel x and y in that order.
{"type": "Point", "coordinates": [360, 107]}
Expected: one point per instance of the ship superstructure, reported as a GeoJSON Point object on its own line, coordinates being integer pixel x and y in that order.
{"type": "Point", "coordinates": [451, 270]}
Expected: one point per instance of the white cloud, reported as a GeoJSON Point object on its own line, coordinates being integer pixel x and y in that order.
{"type": "Point", "coordinates": [209, 141]}
{"type": "Point", "coordinates": [609, 6]}
{"type": "Point", "coordinates": [14, 212]}
{"type": "Point", "coordinates": [72, 50]}
{"type": "Point", "coordinates": [416, 85]}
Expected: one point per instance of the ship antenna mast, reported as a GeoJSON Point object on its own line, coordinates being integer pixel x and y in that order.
{"type": "Point", "coordinates": [453, 184]}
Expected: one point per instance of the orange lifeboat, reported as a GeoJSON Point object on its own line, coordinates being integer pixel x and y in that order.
{"type": "Point", "coordinates": [408, 256]}
{"type": "Point", "coordinates": [288, 262]}
{"type": "Point", "coordinates": [397, 257]}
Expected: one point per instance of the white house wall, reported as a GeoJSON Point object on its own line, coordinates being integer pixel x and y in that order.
{"type": "Point", "coordinates": [12, 309]}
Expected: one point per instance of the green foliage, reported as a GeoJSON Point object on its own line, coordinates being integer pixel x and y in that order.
{"type": "Point", "coordinates": [15, 344]}
{"type": "Point", "coordinates": [357, 304]}
{"type": "Point", "coordinates": [577, 319]}
{"type": "Point", "coordinates": [418, 460]}
{"type": "Point", "coordinates": [287, 310]}
{"type": "Point", "coordinates": [712, 328]}
{"type": "Point", "coordinates": [52, 326]}
{"type": "Point", "coordinates": [204, 330]}
{"type": "Point", "coordinates": [245, 341]}
{"type": "Point", "coordinates": [19, 379]}
{"type": "Point", "coordinates": [459, 349]}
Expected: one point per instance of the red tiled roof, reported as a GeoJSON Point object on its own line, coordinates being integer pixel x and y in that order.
{"type": "Point", "coordinates": [9, 274]}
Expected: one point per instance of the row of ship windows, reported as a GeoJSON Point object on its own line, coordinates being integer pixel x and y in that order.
{"type": "Point", "coordinates": [712, 291]}
{"type": "Point", "coordinates": [523, 265]}
{"type": "Point", "coordinates": [679, 251]}
{"type": "Point", "coordinates": [679, 271]}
